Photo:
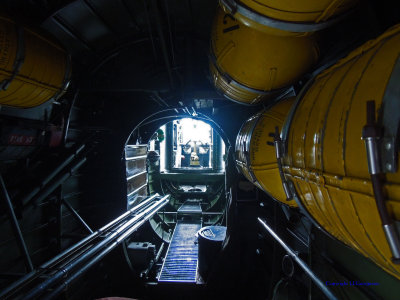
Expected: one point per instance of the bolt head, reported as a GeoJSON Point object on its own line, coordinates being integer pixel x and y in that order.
{"type": "Point", "coordinates": [389, 166]}
{"type": "Point", "coordinates": [388, 146]}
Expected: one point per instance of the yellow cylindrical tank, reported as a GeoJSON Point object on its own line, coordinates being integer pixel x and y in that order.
{"type": "Point", "coordinates": [287, 17]}
{"type": "Point", "coordinates": [248, 66]}
{"type": "Point", "coordinates": [326, 158]}
{"type": "Point", "coordinates": [257, 160]}
{"type": "Point", "coordinates": [33, 69]}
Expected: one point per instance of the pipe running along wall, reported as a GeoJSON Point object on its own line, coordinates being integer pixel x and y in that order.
{"type": "Point", "coordinates": [52, 277]}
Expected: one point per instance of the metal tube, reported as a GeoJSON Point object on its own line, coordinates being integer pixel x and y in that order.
{"type": "Point", "coordinates": [204, 213]}
{"type": "Point", "coordinates": [15, 226]}
{"type": "Point", "coordinates": [393, 240]}
{"type": "Point", "coordinates": [371, 134]}
{"type": "Point", "coordinates": [62, 165]}
{"type": "Point", "coordinates": [70, 251]}
{"type": "Point", "coordinates": [76, 215]}
{"type": "Point", "coordinates": [158, 205]}
{"type": "Point", "coordinates": [126, 214]}
{"type": "Point", "coordinates": [156, 259]}
{"type": "Point", "coordinates": [159, 252]}
{"type": "Point", "coordinates": [373, 156]}
{"type": "Point", "coordinates": [391, 234]}
{"type": "Point", "coordinates": [47, 191]}
{"type": "Point", "coordinates": [300, 262]}
{"type": "Point", "coordinates": [102, 254]}
{"type": "Point", "coordinates": [278, 152]}
{"type": "Point", "coordinates": [49, 177]}
{"type": "Point", "coordinates": [59, 218]}
{"type": "Point", "coordinates": [34, 274]}
{"type": "Point", "coordinates": [80, 272]}
{"type": "Point", "coordinates": [380, 199]}
{"type": "Point", "coordinates": [153, 210]}
{"type": "Point", "coordinates": [38, 290]}
{"type": "Point", "coordinates": [89, 238]}
{"type": "Point", "coordinates": [22, 281]}
{"type": "Point", "coordinates": [68, 119]}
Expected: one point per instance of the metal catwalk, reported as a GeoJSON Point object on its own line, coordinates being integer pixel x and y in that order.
{"type": "Point", "coordinates": [180, 264]}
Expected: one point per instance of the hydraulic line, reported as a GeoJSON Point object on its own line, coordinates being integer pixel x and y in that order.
{"type": "Point", "coordinates": [73, 250]}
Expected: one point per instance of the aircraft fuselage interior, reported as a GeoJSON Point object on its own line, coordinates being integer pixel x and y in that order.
{"type": "Point", "coordinates": [199, 149]}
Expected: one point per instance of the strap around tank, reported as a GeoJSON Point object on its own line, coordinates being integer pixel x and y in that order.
{"type": "Point", "coordinates": [230, 80]}
{"type": "Point", "coordinates": [246, 146]}
{"type": "Point", "coordinates": [67, 76]}
{"type": "Point", "coordinates": [299, 97]}
{"type": "Point", "coordinates": [236, 7]}
{"type": "Point", "coordinates": [288, 121]}
{"type": "Point", "coordinates": [19, 58]}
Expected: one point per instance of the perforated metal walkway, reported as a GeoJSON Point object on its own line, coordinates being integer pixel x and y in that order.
{"type": "Point", "coordinates": [180, 264]}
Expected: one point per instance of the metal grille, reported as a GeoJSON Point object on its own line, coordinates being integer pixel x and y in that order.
{"type": "Point", "coordinates": [180, 264]}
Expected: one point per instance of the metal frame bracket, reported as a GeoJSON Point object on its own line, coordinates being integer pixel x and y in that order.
{"type": "Point", "coordinates": [372, 134]}
{"type": "Point", "coordinates": [279, 152]}
{"type": "Point", "coordinates": [390, 122]}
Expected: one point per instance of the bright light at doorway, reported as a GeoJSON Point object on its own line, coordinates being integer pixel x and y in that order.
{"type": "Point", "coordinates": [195, 130]}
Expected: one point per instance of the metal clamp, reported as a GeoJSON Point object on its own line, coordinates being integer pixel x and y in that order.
{"type": "Point", "coordinates": [288, 185]}
{"type": "Point", "coordinates": [230, 6]}
{"type": "Point", "coordinates": [372, 134]}
{"type": "Point", "coordinates": [248, 163]}
{"type": "Point", "coordinates": [245, 146]}
{"type": "Point", "coordinates": [278, 144]}
{"type": "Point", "coordinates": [390, 122]}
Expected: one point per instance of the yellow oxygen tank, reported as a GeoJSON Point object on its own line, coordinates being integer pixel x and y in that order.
{"type": "Point", "coordinates": [288, 17]}
{"type": "Point", "coordinates": [325, 160]}
{"type": "Point", "coordinates": [255, 158]}
{"type": "Point", "coordinates": [33, 69]}
{"type": "Point", "coordinates": [248, 65]}
{"type": "Point", "coordinates": [326, 157]}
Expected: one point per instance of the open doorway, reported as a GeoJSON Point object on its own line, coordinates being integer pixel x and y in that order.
{"type": "Point", "coordinates": [193, 141]}
{"type": "Point", "coordinates": [188, 145]}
